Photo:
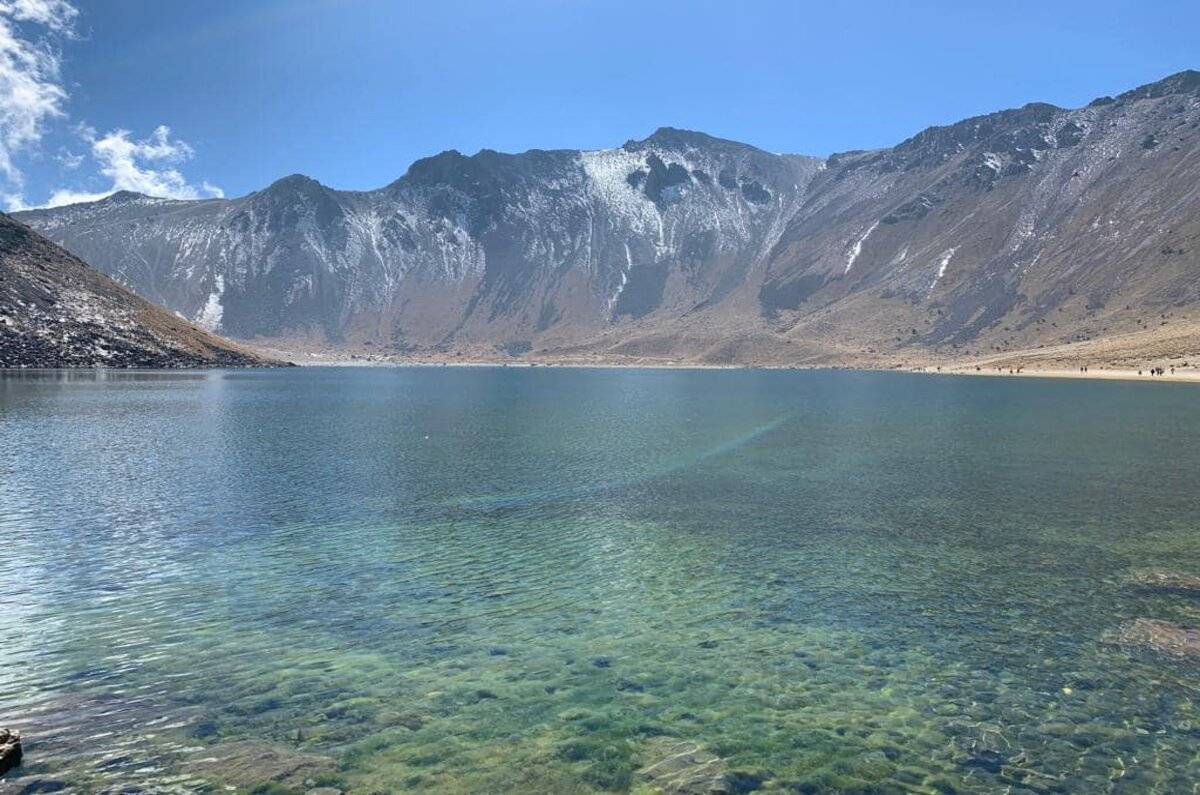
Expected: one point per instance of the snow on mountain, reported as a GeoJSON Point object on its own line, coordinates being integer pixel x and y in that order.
{"type": "Point", "coordinates": [971, 236]}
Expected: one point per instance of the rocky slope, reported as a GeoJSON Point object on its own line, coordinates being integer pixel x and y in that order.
{"type": "Point", "coordinates": [1023, 228]}
{"type": "Point", "coordinates": [55, 311]}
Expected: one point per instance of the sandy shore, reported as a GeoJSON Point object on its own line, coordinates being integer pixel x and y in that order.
{"type": "Point", "coordinates": [1128, 356]}
{"type": "Point", "coordinates": [1188, 376]}
{"type": "Point", "coordinates": [1124, 357]}
{"type": "Point", "coordinates": [327, 359]}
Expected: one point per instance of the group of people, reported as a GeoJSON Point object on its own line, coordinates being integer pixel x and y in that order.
{"type": "Point", "coordinates": [1086, 369]}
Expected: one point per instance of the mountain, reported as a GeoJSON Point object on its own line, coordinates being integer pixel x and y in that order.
{"type": "Point", "coordinates": [1037, 226]}
{"type": "Point", "coordinates": [55, 311]}
{"type": "Point", "coordinates": [493, 249]}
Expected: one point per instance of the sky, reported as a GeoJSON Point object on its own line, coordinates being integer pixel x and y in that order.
{"type": "Point", "coordinates": [222, 97]}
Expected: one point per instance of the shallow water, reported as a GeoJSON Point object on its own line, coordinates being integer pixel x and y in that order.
{"type": "Point", "coordinates": [537, 580]}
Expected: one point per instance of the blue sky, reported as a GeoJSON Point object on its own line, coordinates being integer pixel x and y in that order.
{"type": "Point", "coordinates": [352, 91]}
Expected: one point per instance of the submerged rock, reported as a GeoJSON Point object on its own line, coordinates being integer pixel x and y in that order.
{"type": "Point", "coordinates": [687, 769]}
{"type": "Point", "coordinates": [251, 764]}
{"type": "Point", "coordinates": [985, 759]}
{"type": "Point", "coordinates": [1160, 636]}
{"type": "Point", "coordinates": [1166, 581]}
{"type": "Point", "coordinates": [10, 750]}
{"type": "Point", "coordinates": [41, 785]}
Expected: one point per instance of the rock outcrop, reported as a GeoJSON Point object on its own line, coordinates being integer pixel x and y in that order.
{"type": "Point", "coordinates": [10, 750]}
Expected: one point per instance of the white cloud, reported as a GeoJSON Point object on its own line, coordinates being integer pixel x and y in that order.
{"type": "Point", "coordinates": [64, 196]}
{"type": "Point", "coordinates": [58, 15]}
{"type": "Point", "coordinates": [31, 95]}
{"type": "Point", "coordinates": [146, 166]}
{"type": "Point", "coordinates": [30, 90]}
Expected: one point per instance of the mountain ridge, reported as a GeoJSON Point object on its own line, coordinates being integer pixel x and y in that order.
{"type": "Point", "coordinates": [1184, 81]}
{"type": "Point", "coordinates": [961, 240]}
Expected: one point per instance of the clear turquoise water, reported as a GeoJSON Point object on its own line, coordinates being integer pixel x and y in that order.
{"type": "Point", "coordinates": [526, 580]}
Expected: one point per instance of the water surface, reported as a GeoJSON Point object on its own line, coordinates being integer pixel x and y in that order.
{"type": "Point", "coordinates": [538, 580]}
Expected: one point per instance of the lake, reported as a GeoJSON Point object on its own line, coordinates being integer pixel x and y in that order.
{"type": "Point", "coordinates": [552, 580]}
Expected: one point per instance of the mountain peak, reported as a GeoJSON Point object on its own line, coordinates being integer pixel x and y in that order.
{"type": "Point", "coordinates": [294, 181]}
{"type": "Point", "coordinates": [1005, 129]}
{"type": "Point", "coordinates": [1185, 82]}
{"type": "Point", "coordinates": [675, 135]}
{"type": "Point", "coordinates": [677, 139]}
{"type": "Point", "coordinates": [450, 166]}
{"type": "Point", "coordinates": [125, 197]}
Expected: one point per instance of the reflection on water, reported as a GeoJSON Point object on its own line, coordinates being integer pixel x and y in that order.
{"type": "Point", "coordinates": [548, 580]}
{"type": "Point", "coordinates": [96, 376]}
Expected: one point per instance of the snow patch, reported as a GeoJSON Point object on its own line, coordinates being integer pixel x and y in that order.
{"type": "Point", "coordinates": [608, 171]}
{"type": "Point", "coordinates": [856, 249]}
{"type": "Point", "coordinates": [612, 301]}
{"type": "Point", "coordinates": [210, 316]}
{"type": "Point", "coordinates": [947, 255]}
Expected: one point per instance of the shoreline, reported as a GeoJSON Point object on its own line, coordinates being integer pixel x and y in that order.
{"type": "Point", "coordinates": [1114, 357]}
{"type": "Point", "coordinates": [1191, 376]}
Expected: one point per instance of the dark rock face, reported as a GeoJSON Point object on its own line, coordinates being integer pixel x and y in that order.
{"type": "Point", "coordinates": [55, 311]}
{"type": "Point", "coordinates": [10, 750]}
{"type": "Point", "coordinates": [971, 234]}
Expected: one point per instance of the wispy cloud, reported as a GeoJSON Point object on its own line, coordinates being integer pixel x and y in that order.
{"type": "Point", "coordinates": [30, 89]}
{"type": "Point", "coordinates": [144, 166]}
{"type": "Point", "coordinates": [32, 96]}
{"type": "Point", "coordinates": [69, 160]}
